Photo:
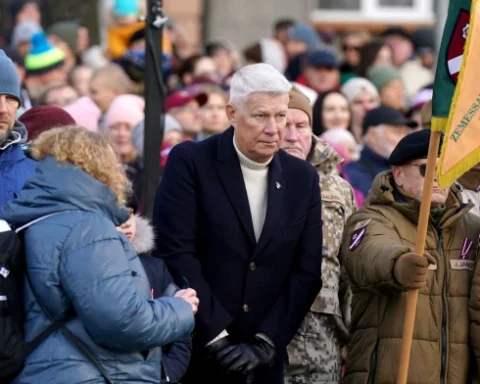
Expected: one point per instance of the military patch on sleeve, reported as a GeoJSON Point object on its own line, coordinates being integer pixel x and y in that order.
{"type": "Point", "coordinates": [357, 237]}
{"type": "Point", "coordinates": [358, 234]}
{"type": "Point", "coordinates": [332, 197]}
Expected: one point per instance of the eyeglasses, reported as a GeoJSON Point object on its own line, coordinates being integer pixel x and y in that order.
{"type": "Point", "coordinates": [422, 168]}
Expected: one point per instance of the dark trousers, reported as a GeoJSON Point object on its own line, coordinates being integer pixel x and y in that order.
{"type": "Point", "coordinates": [201, 372]}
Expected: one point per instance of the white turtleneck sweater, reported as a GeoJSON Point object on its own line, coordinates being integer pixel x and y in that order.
{"type": "Point", "coordinates": [255, 176]}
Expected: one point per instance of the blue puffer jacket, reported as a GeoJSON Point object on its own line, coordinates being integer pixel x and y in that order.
{"type": "Point", "coordinates": [15, 167]}
{"type": "Point", "coordinates": [78, 258]}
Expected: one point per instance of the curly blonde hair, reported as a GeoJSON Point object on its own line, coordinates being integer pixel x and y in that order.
{"type": "Point", "coordinates": [89, 151]}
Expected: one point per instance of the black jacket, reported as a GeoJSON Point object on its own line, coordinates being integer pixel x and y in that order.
{"type": "Point", "coordinates": [205, 235]}
{"type": "Point", "coordinates": [175, 356]}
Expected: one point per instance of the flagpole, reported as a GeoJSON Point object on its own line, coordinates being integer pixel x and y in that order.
{"type": "Point", "coordinates": [412, 296]}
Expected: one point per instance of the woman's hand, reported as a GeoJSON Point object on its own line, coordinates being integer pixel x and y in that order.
{"type": "Point", "coordinates": [190, 296]}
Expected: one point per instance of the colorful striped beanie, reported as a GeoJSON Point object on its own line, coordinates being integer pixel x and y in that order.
{"type": "Point", "coordinates": [43, 56]}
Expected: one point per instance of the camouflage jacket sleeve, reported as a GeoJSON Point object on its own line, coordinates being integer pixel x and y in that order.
{"type": "Point", "coordinates": [337, 206]}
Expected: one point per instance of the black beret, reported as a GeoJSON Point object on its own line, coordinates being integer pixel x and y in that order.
{"type": "Point", "coordinates": [412, 147]}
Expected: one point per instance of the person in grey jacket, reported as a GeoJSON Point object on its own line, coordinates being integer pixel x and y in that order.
{"type": "Point", "coordinates": [78, 262]}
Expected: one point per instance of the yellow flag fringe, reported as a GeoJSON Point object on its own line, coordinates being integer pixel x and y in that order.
{"type": "Point", "coordinates": [473, 158]}
{"type": "Point", "coordinates": [439, 124]}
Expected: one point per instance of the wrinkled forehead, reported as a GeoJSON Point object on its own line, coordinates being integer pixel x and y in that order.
{"type": "Point", "coordinates": [267, 102]}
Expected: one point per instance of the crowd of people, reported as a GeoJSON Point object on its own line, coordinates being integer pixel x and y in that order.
{"type": "Point", "coordinates": [282, 243]}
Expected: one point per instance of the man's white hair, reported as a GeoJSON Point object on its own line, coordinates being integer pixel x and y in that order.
{"type": "Point", "coordinates": [257, 78]}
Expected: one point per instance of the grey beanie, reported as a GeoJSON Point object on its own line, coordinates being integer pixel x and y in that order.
{"type": "Point", "coordinates": [9, 80]}
{"type": "Point", "coordinates": [23, 33]}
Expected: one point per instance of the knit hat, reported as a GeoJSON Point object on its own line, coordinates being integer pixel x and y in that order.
{"type": "Point", "coordinates": [396, 31]}
{"type": "Point", "coordinates": [67, 31]}
{"type": "Point", "coordinates": [44, 117]}
{"type": "Point", "coordinates": [125, 7]}
{"type": "Point", "coordinates": [17, 6]}
{"type": "Point", "coordinates": [23, 32]}
{"type": "Point", "coordinates": [128, 109]}
{"type": "Point", "coordinates": [305, 33]}
{"type": "Point", "coordinates": [9, 80]}
{"type": "Point", "coordinates": [43, 56]}
{"type": "Point", "coordinates": [298, 100]}
{"type": "Point", "coordinates": [380, 76]}
{"type": "Point", "coordinates": [85, 112]}
{"type": "Point", "coordinates": [356, 86]}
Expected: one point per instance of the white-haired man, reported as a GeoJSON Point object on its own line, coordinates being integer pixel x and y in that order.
{"type": "Point", "coordinates": [240, 221]}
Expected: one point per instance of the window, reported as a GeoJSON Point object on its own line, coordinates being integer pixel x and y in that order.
{"type": "Point", "coordinates": [379, 12]}
{"type": "Point", "coordinates": [397, 3]}
{"type": "Point", "coordinates": [340, 4]}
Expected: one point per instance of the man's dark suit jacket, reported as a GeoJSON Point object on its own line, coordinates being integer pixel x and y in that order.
{"type": "Point", "coordinates": [205, 235]}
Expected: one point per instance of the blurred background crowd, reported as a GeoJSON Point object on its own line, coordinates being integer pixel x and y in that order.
{"type": "Point", "coordinates": [89, 60]}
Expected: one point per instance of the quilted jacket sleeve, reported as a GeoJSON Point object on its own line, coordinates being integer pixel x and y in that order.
{"type": "Point", "coordinates": [474, 312]}
{"type": "Point", "coordinates": [369, 256]}
{"type": "Point", "coordinates": [97, 278]}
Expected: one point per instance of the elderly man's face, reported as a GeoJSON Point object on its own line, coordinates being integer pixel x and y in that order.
{"type": "Point", "coordinates": [298, 134]}
{"type": "Point", "coordinates": [8, 112]}
{"type": "Point", "coordinates": [410, 177]}
{"type": "Point", "coordinates": [384, 138]}
{"type": "Point", "coordinates": [259, 125]}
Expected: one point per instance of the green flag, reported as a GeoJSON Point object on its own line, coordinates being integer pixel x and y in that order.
{"type": "Point", "coordinates": [450, 60]}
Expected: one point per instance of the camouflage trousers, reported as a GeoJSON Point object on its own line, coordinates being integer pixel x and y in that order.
{"type": "Point", "coordinates": [314, 355]}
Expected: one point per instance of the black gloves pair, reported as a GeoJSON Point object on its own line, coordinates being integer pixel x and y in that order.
{"type": "Point", "coordinates": [241, 359]}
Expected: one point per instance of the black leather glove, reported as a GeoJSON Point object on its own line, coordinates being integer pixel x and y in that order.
{"type": "Point", "coordinates": [212, 350]}
{"type": "Point", "coordinates": [243, 359]}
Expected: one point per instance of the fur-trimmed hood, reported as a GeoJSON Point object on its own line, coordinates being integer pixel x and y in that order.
{"type": "Point", "coordinates": [144, 240]}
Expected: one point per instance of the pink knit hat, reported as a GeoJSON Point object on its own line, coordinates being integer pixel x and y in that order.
{"type": "Point", "coordinates": [85, 113]}
{"type": "Point", "coordinates": [128, 109]}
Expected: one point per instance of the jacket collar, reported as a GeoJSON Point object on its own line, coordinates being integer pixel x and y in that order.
{"type": "Point", "coordinates": [18, 135]}
{"type": "Point", "coordinates": [385, 192]}
{"type": "Point", "coordinates": [373, 158]}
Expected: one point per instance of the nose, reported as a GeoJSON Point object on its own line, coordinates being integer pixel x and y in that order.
{"type": "Point", "coordinates": [291, 134]}
{"type": "Point", "coordinates": [271, 127]}
{"type": "Point", "coordinates": [3, 104]}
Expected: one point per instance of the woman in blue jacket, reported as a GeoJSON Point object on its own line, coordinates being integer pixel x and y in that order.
{"type": "Point", "coordinates": [78, 261]}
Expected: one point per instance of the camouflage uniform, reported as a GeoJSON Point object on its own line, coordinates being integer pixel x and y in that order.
{"type": "Point", "coordinates": [314, 354]}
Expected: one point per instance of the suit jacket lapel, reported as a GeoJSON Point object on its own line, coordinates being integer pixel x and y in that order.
{"type": "Point", "coordinates": [276, 193]}
{"type": "Point", "coordinates": [231, 177]}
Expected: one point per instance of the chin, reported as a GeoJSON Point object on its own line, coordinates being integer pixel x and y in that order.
{"type": "Point", "coordinates": [295, 153]}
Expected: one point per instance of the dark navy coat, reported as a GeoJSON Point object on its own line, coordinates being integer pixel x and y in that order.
{"type": "Point", "coordinates": [205, 235]}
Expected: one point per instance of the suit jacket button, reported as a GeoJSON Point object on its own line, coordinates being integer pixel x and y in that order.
{"type": "Point", "coordinates": [245, 308]}
{"type": "Point", "coordinates": [253, 266]}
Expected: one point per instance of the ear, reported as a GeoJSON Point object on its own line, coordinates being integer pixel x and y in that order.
{"type": "Point", "coordinates": [398, 175]}
{"type": "Point", "coordinates": [231, 113]}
